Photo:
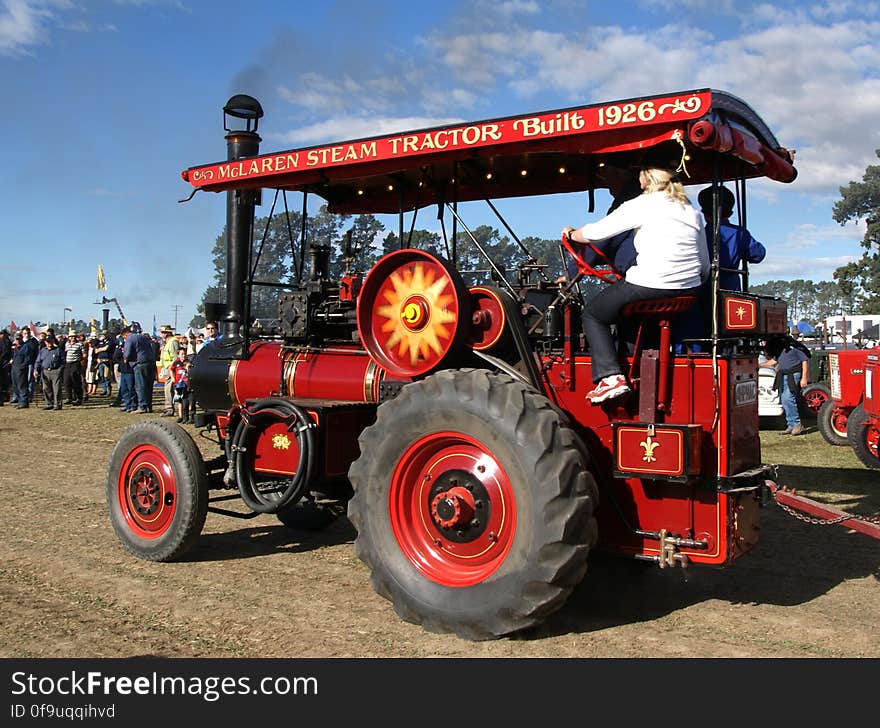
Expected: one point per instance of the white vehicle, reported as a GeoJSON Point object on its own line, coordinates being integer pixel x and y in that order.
{"type": "Point", "coordinates": [769, 404]}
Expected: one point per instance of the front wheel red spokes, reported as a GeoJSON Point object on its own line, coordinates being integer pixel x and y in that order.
{"type": "Point", "coordinates": [147, 492]}
{"type": "Point", "coordinates": [453, 510]}
{"type": "Point", "coordinates": [814, 399]}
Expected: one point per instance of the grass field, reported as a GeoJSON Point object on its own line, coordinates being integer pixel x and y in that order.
{"type": "Point", "coordinates": [255, 588]}
{"type": "Point", "coordinates": [815, 468]}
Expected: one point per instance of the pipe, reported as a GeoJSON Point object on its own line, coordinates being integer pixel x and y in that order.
{"type": "Point", "coordinates": [239, 228]}
{"type": "Point", "coordinates": [272, 410]}
{"type": "Point", "coordinates": [721, 138]}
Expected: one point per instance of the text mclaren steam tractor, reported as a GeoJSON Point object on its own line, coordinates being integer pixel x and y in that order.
{"type": "Point", "coordinates": [450, 418]}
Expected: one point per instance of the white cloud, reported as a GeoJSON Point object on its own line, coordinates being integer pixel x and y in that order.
{"type": "Point", "coordinates": [338, 128]}
{"type": "Point", "coordinates": [24, 23]}
{"type": "Point", "coordinates": [805, 253]}
{"type": "Point", "coordinates": [817, 85]}
{"type": "Point", "coordinates": [775, 267]}
{"type": "Point", "coordinates": [315, 93]}
{"type": "Point", "coordinates": [723, 6]}
{"type": "Point", "coordinates": [510, 8]}
{"type": "Point", "coordinates": [435, 101]}
{"type": "Point", "coordinates": [810, 236]}
{"type": "Point", "coordinates": [28, 23]}
{"type": "Point", "coordinates": [811, 71]}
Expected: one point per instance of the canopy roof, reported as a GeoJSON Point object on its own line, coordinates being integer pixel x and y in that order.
{"type": "Point", "coordinates": [540, 153]}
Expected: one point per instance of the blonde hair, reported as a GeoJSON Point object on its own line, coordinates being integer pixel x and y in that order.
{"type": "Point", "coordinates": [660, 180]}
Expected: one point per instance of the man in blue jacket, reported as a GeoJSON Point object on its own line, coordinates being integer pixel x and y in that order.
{"type": "Point", "coordinates": [736, 244]}
{"type": "Point", "coordinates": [23, 364]}
{"type": "Point", "coordinates": [140, 355]}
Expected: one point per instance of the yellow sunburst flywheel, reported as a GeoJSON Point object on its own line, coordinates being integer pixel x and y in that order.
{"type": "Point", "coordinates": [411, 312]}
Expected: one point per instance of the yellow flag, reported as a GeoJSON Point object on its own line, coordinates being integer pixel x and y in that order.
{"type": "Point", "coordinates": [102, 282]}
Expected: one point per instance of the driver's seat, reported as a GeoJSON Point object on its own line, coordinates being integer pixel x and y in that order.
{"type": "Point", "coordinates": [661, 311]}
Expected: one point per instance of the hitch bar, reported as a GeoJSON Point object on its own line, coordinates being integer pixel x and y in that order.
{"type": "Point", "coordinates": [790, 501]}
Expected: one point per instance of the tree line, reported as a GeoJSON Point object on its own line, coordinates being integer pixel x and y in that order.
{"type": "Point", "coordinates": [809, 301]}
{"type": "Point", "coordinates": [357, 242]}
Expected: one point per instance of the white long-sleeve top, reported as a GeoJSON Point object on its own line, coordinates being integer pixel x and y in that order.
{"type": "Point", "coordinates": [670, 240]}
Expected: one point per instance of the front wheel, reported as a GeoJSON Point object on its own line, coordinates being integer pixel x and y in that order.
{"type": "Point", "coordinates": [157, 490]}
{"type": "Point", "coordinates": [473, 504]}
{"type": "Point", "coordinates": [815, 395]}
{"type": "Point", "coordinates": [831, 422]}
{"type": "Point", "coordinates": [863, 433]}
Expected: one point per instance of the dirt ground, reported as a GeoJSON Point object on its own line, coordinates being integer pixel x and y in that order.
{"type": "Point", "coordinates": [255, 588]}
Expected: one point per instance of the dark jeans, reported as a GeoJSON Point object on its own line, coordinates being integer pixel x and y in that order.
{"type": "Point", "coordinates": [103, 376]}
{"type": "Point", "coordinates": [21, 384]}
{"type": "Point", "coordinates": [789, 400]}
{"type": "Point", "coordinates": [604, 309]}
{"type": "Point", "coordinates": [188, 405]}
{"type": "Point", "coordinates": [143, 385]}
{"type": "Point", "coordinates": [5, 376]}
{"type": "Point", "coordinates": [127, 396]}
{"type": "Point", "coordinates": [73, 381]}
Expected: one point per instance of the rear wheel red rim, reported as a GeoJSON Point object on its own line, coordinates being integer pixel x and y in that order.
{"type": "Point", "coordinates": [453, 510]}
{"type": "Point", "coordinates": [838, 422]}
{"type": "Point", "coordinates": [147, 492]}
{"type": "Point", "coordinates": [872, 439]}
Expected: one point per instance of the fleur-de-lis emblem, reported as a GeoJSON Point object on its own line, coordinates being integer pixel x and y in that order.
{"type": "Point", "coordinates": [280, 442]}
{"type": "Point", "coordinates": [649, 445]}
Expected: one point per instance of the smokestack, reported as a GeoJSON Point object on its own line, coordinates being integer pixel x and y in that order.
{"type": "Point", "coordinates": [240, 144]}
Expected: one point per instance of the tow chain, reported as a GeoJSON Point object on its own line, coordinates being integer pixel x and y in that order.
{"type": "Point", "coordinates": [825, 521]}
{"type": "Point", "coordinates": [820, 521]}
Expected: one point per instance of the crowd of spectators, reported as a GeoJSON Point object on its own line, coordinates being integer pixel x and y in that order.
{"type": "Point", "coordinates": [73, 368]}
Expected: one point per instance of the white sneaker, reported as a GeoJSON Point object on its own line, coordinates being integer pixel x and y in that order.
{"type": "Point", "coordinates": [608, 388]}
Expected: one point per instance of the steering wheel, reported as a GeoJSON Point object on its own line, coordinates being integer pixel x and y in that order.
{"type": "Point", "coordinates": [584, 268]}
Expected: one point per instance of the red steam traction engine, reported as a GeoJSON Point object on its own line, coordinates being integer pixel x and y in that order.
{"type": "Point", "coordinates": [450, 418]}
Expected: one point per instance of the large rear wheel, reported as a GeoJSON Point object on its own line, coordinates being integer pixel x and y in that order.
{"type": "Point", "coordinates": [863, 434]}
{"type": "Point", "coordinates": [831, 422]}
{"type": "Point", "coordinates": [473, 504]}
{"type": "Point", "coordinates": [157, 490]}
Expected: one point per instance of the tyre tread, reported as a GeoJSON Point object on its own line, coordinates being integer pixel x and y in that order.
{"type": "Point", "coordinates": [856, 428]}
{"type": "Point", "coordinates": [566, 491]}
{"type": "Point", "coordinates": [192, 502]}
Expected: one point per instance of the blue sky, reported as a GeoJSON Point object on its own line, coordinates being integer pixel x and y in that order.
{"type": "Point", "coordinates": [104, 102]}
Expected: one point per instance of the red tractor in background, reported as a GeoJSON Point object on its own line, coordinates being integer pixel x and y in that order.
{"type": "Point", "coordinates": [846, 372]}
{"type": "Point", "coordinates": [447, 416]}
{"type": "Point", "coordinates": [863, 423]}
